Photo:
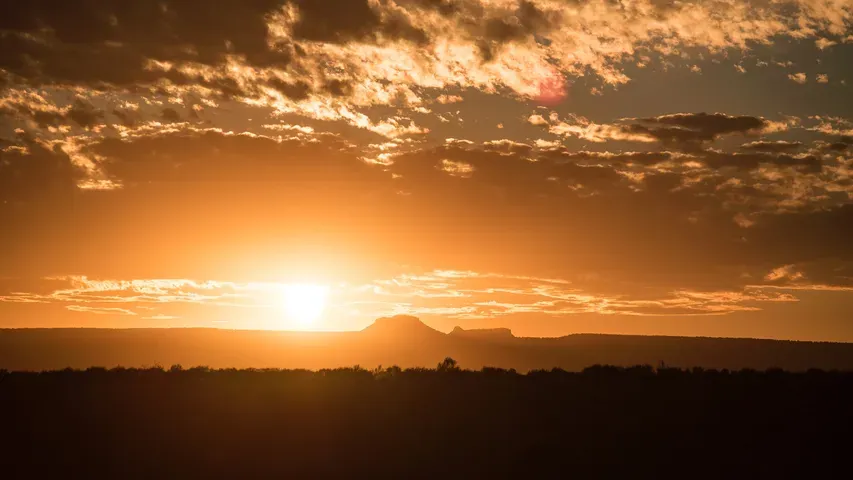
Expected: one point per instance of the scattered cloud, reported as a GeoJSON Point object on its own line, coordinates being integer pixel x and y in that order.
{"type": "Point", "coordinates": [798, 78]}
{"type": "Point", "coordinates": [445, 99]}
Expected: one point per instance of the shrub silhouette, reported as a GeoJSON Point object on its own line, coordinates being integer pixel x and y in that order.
{"type": "Point", "coordinates": [448, 365]}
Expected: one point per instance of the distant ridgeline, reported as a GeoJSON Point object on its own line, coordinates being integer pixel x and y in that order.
{"type": "Point", "coordinates": [400, 340]}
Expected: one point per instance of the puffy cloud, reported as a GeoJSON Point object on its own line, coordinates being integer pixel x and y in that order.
{"type": "Point", "coordinates": [583, 128]}
{"type": "Point", "coordinates": [835, 126]}
{"type": "Point", "coordinates": [445, 99]}
{"type": "Point", "coordinates": [824, 43]}
{"type": "Point", "coordinates": [798, 78]}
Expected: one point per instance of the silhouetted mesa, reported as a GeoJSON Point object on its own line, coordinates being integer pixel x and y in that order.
{"type": "Point", "coordinates": [484, 333]}
{"type": "Point", "coordinates": [403, 326]}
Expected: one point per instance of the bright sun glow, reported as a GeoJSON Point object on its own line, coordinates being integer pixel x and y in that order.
{"type": "Point", "coordinates": [304, 304]}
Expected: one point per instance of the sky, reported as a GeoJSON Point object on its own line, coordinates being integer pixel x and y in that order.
{"type": "Point", "coordinates": [550, 166]}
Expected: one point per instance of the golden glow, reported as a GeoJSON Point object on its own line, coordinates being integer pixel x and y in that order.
{"type": "Point", "coordinates": [304, 304]}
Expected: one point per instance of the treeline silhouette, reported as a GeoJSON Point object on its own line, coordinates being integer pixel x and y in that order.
{"type": "Point", "coordinates": [447, 422]}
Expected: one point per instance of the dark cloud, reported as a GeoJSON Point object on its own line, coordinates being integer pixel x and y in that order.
{"type": "Point", "coordinates": [819, 238]}
{"type": "Point", "coordinates": [84, 114]}
{"type": "Point", "coordinates": [690, 130]}
{"type": "Point", "coordinates": [751, 161]}
{"type": "Point", "coordinates": [839, 145]}
{"type": "Point", "coordinates": [834, 146]}
{"type": "Point", "coordinates": [109, 41]}
{"type": "Point", "coordinates": [80, 112]}
{"type": "Point", "coordinates": [772, 147]}
{"type": "Point", "coordinates": [297, 90]}
{"type": "Point", "coordinates": [540, 211]}
{"type": "Point", "coordinates": [526, 21]}
{"type": "Point", "coordinates": [128, 118]}
{"type": "Point", "coordinates": [212, 156]}
{"type": "Point", "coordinates": [709, 124]}
{"type": "Point", "coordinates": [341, 21]}
{"type": "Point", "coordinates": [36, 173]}
{"type": "Point", "coordinates": [445, 7]}
{"type": "Point", "coordinates": [170, 115]}
{"type": "Point", "coordinates": [338, 88]}
{"type": "Point", "coordinates": [641, 158]}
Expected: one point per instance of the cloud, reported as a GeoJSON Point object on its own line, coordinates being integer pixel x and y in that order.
{"type": "Point", "coordinates": [327, 59]}
{"type": "Point", "coordinates": [785, 272]}
{"type": "Point", "coordinates": [835, 126]}
{"type": "Point", "coordinates": [170, 115]}
{"type": "Point", "coordinates": [687, 131]}
{"type": "Point", "coordinates": [798, 78]}
{"type": "Point", "coordinates": [824, 43]}
{"type": "Point", "coordinates": [162, 317]}
{"type": "Point", "coordinates": [452, 293]}
{"type": "Point", "coordinates": [771, 146]}
{"type": "Point", "coordinates": [494, 295]}
{"type": "Point", "coordinates": [36, 172]}
{"type": "Point", "coordinates": [664, 217]}
{"type": "Point", "coordinates": [752, 161]}
{"type": "Point", "coordinates": [290, 128]}
{"type": "Point", "coordinates": [213, 155]}
{"type": "Point", "coordinates": [342, 21]}
{"type": "Point", "coordinates": [82, 294]}
{"type": "Point", "coordinates": [100, 310]}
{"type": "Point", "coordinates": [583, 128]}
{"type": "Point", "coordinates": [29, 107]}
{"type": "Point", "coordinates": [445, 99]}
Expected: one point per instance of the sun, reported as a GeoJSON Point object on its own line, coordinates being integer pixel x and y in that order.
{"type": "Point", "coordinates": [304, 304]}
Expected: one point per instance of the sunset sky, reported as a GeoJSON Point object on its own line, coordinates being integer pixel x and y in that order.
{"type": "Point", "coordinates": [551, 166]}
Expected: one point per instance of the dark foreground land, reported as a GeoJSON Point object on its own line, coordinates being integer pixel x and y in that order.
{"type": "Point", "coordinates": [604, 422]}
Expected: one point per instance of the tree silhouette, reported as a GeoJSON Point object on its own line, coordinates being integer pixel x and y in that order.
{"type": "Point", "coordinates": [448, 365]}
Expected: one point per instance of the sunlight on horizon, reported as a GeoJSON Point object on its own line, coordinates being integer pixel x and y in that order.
{"type": "Point", "coordinates": [304, 304]}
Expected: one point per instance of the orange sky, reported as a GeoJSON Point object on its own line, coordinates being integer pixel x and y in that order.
{"type": "Point", "coordinates": [551, 167]}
